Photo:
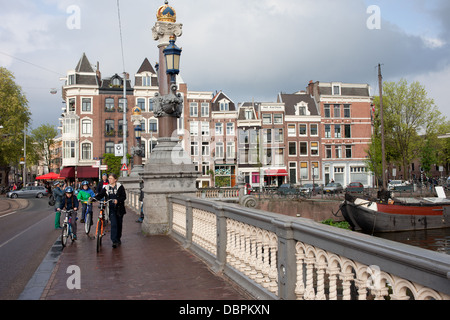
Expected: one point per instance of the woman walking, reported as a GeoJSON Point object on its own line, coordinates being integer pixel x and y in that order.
{"type": "Point", "coordinates": [116, 192]}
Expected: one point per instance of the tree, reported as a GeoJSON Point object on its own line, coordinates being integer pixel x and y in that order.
{"type": "Point", "coordinates": [44, 138]}
{"type": "Point", "coordinates": [409, 116]}
{"type": "Point", "coordinates": [114, 163]}
{"type": "Point", "coordinates": [14, 115]}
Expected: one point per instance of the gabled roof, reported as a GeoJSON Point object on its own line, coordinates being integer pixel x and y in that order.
{"type": "Point", "coordinates": [146, 67]}
{"type": "Point", "coordinates": [84, 65]}
{"type": "Point", "coordinates": [216, 102]}
{"type": "Point", "coordinates": [291, 100]}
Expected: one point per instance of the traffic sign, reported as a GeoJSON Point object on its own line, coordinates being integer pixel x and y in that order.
{"type": "Point", "coordinates": [124, 167]}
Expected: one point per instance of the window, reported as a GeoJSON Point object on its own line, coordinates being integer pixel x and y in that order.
{"type": "Point", "coordinates": [146, 81]}
{"type": "Point", "coordinates": [253, 136]}
{"type": "Point", "coordinates": [86, 127]}
{"type": "Point", "coordinates": [327, 112]}
{"type": "Point", "coordinates": [224, 106]}
{"type": "Point", "coordinates": [315, 169]}
{"type": "Point", "coordinates": [205, 168]}
{"type": "Point", "coordinates": [143, 126]}
{"type": "Point", "coordinates": [292, 148]}
{"type": "Point", "coordinates": [205, 110]}
{"type": "Point", "coordinates": [248, 114]}
{"type": "Point", "coordinates": [278, 135]}
{"type": "Point", "coordinates": [153, 125]}
{"type": "Point", "coordinates": [279, 157]}
{"type": "Point", "coordinates": [347, 131]}
{"type": "Point", "coordinates": [109, 147]}
{"type": "Point", "coordinates": [231, 153]}
{"type": "Point", "coordinates": [151, 105]}
{"type": "Point", "coordinates": [267, 118]}
{"type": "Point", "coordinates": [219, 150]}
{"type": "Point", "coordinates": [109, 104]}
{"type": "Point", "coordinates": [141, 104]}
{"type": "Point", "coordinates": [328, 153]}
{"type": "Point", "coordinates": [347, 113]}
{"type": "Point", "coordinates": [205, 128]}
{"type": "Point", "coordinates": [267, 135]}
{"type": "Point", "coordinates": [303, 148]}
{"type": "Point", "coordinates": [230, 129]}
{"type": "Point", "coordinates": [205, 148]}
{"type": "Point", "coordinates": [336, 90]}
{"type": "Point", "coordinates": [338, 150]}
{"type": "Point", "coordinates": [304, 170]}
{"type": "Point", "coordinates": [115, 82]}
{"type": "Point", "coordinates": [194, 148]}
{"type": "Point", "coordinates": [86, 105]}
{"type": "Point", "coordinates": [278, 118]}
{"type": "Point", "coordinates": [327, 131]}
{"type": "Point", "coordinates": [314, 129]}
{"type": "Point", "coordinates": [71, 105]}
{"type": "Point", "coordinates": [120, 127]}
{"type": "Point", "coordinates": [122, 104]}
{"type": "Point", "coordinates": [69, 127]}
{"type": "Point", "coordinates": [193, 109]}
{"type": "Point", "coordinates": [194, 128]}
{"type": "Point", "coordinates": [71, 79]}
{"type": "Point", "coordinates": [337, 110]}
{"type": "Point", "coordinates": [302, 129]}
{"type": "Point", "coordinates": [348, 152]}
{"type": "Point", "coordinates": [337, 130]}
{"type": "Point", "coordinates": [314, 148]}
{"type": "Point", "coordinates": [69, 149]}
{"type": "Point", "coordinates": [302, 111]}
{"type": "Point", "coordinates": [291, 130]}
{"type": "Point", "coordinates": [109, 128]}
{"type": "Point", "coordinates": [86, 153]}
{"type": "Point", "coordinates": [219, 129]}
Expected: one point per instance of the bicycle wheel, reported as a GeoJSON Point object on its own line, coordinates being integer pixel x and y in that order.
{"type": "Point", "coordinates": [87, 222]}
{"type": "Point", "coordinates": [64, 235]}
{"type": "Point", "coordinates": [99, 234]}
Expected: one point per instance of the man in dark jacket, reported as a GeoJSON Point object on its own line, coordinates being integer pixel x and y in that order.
{"type": "Point", "coordinates": [115, 192]}
{"type": "Point", "coordinates": [58, 196]}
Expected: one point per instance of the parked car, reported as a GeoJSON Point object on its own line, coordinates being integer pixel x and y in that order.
{"type": "Point", "coordinates": [355, 187]}
{"type": "Point", "coordinates": [287, 189]}
{"type": "Point", "coordinates": [28, 192]}
{"type": "Point", "coordinates": [395, 183]}
{"type": "Point", "coordinates": [333, 187]}
{"type": "Point", "coordinates": [308, 188]}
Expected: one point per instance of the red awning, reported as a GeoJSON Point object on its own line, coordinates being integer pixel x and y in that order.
{"type": "Point", "coordinates": [275, 173]}
{"type": "Point", "coordinates": [67, 172]}
{"type": "Point", "coordinates": [87, 172]}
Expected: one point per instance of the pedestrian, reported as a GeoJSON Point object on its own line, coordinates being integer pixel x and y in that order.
{"type": "Point", "coordinates": [70, 202]}
{"type": "Point", "coordinates": [83, 196]}
{"type": "Point", "coordinates": [116, 192]}
{"type": "Point", "coordinates": [103, 182]}
{"type": "Point", "coordinates": [58, 195]}
{"type": "Point", "coordinates": [141, 200]}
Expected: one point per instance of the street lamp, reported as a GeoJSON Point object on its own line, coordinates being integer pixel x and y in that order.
{"type": "Point", "coordinates": [172, 55]}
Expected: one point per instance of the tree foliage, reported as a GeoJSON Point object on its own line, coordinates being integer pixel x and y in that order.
{"type": "Point", "coordinates": [412, 123]}
{"type": "Point", "coordinates": [14, 115]}
{"type": "Point", "coordinates": [44, 138]}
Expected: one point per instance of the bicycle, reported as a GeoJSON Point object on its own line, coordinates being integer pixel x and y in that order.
{"type": "Point", "coordinates": [87, 216]}
{"type": "Point", "coordinates": [101, 224]}
{"type": "Point", "coordinates": [67, 227]}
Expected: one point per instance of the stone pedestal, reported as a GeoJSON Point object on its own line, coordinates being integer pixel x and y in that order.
{"type": "Point", "coordinates": [169, 171]}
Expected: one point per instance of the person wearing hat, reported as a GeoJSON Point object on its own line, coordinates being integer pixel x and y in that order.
{"type": "Point", "coordinates": [70, 202]}
{"type": "Point", "coordinates": [58, 196]}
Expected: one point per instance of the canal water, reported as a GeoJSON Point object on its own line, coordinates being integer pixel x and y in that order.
{"type": "Point", "coordinates": [322, 209]}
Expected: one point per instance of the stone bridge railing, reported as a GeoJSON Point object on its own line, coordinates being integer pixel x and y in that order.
{"type": "Point", "coordinates": [274, 256]}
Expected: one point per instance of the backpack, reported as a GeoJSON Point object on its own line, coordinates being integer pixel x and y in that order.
{"type": "Point", "coordinates": [51, 201]}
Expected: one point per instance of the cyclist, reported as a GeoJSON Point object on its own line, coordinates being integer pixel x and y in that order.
{"type": "Point", "coordinates": [69, 202]}
{"type": "Point", "coordinates": [58, 194]}
{"type": "Point", "coordinates": [83, 196]}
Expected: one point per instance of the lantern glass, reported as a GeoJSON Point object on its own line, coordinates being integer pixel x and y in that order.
{"type": "Point", "coordinates": [172, 55]}
{"type": "Point", "coordinates": [138, 132]}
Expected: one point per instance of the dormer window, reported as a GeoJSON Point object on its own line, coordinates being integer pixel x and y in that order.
{"type": "Point", "coordinates": [71, 79]}
{"type": "Point", "coordinates": [146, 81]}
{"type": "Point", "coordinates": [115, 82]}
{"type": "Point", "coordinates": [336, 89]}
{"type": "Point", "coordinates": [301, 109]}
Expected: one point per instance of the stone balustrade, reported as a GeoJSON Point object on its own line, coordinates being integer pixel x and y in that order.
{"type": "Point", "coordinates": [280, 257]}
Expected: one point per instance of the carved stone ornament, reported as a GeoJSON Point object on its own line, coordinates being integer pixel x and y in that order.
{"type": "Point", "coordinates": [162, 31]}
{"type": "Point", "coordinates": [170, 105]}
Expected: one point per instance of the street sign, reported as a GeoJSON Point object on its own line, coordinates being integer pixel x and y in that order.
{"type": "Point", "coordinates": [124, 167]}
{"type": "Point", "coordinates": [104, 167]}
{"type": "Point", "coordinates": [118, 150]}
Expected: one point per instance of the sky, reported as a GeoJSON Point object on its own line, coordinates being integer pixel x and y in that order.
{"type": "Point", "coordinates": [252, 49]}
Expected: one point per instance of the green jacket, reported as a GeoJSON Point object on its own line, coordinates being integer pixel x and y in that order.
{"type": "Point", "coordinates": [84, 195]}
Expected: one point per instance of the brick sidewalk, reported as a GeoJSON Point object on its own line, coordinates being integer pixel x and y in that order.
{"type": "Point", "coordinates": [142, 268]}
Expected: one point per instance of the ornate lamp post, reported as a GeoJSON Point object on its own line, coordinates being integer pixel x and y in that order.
{"type": "Point", "coordinates": [137, 150]}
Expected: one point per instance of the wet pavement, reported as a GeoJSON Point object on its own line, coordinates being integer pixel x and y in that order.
{"type": "Point", "coordinates": [142, 268]}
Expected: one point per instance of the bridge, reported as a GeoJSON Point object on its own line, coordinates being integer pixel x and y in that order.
{"type": "Point", "coordinates": [273, 256]}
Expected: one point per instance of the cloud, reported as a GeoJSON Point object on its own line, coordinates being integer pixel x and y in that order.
{"type": "Point", "coordinates": [249, 49]}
